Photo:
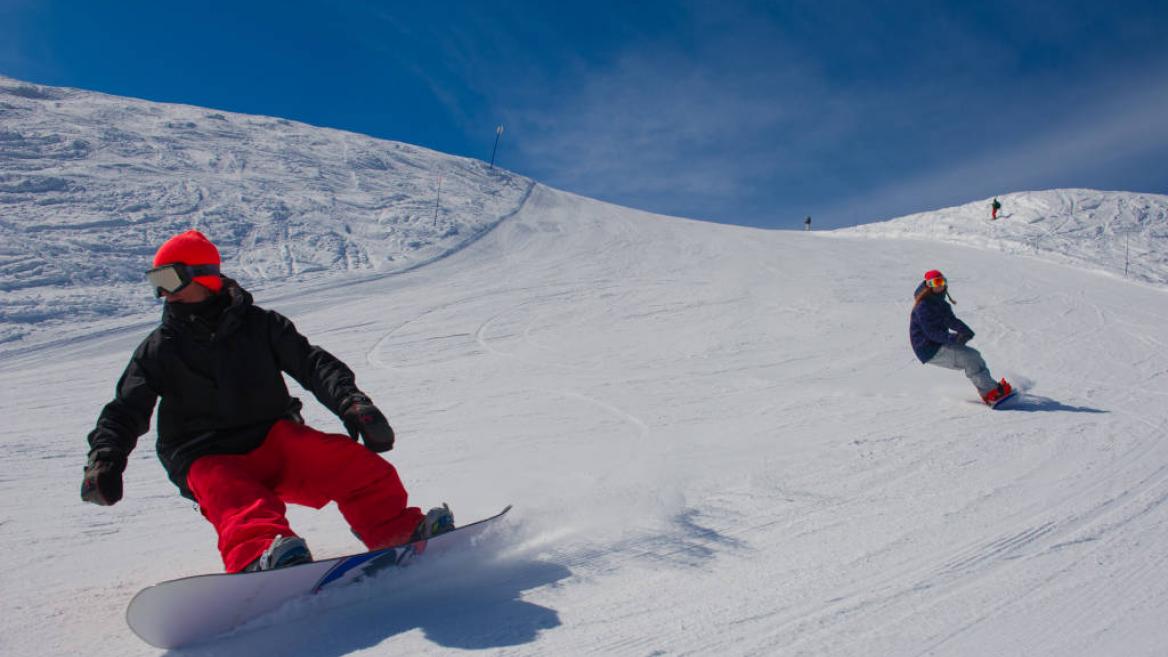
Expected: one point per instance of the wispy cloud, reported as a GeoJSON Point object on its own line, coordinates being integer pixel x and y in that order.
{"type": "Point", "coordinates": [660, 123]}
{"type": "Point", "coordinates": [761, 113]}
{"type": "Point", "coordinates": [748, 122]}
{"type": "Point", "coordinates": [1123, 122]}
{"type": "Point", "coordinates": [652, 125]}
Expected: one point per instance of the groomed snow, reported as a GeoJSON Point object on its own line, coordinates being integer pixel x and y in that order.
{"type": "Point", "coordinates": [717, 440]}
{"type": "Point", "coordinates": [1120, 233]}
{"type": "Point", "coordinates": [90, 184]}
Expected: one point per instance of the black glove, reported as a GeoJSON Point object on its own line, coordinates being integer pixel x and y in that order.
{"type": "Point", "coordinates": [103, 477]}
{"type": "Point", "coordinates": [362, 418]}
{"type": "Point", "coordinates": [962, 338]}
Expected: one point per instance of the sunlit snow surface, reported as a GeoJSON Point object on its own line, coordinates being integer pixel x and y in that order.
{"type": "Point", "coordinates": [1116, 232]}
{"type": "Point", "coordinates": [717, 440]}
{"type": "Point", "coordinates": [91, 184]}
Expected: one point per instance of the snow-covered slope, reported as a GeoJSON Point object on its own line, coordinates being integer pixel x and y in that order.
{"type": "Point", "coordinates": [717, 440]}
{"type": "Point", "coordinates": [91, 184]}
{"type": "Point", "coordinates": [1122, 233]}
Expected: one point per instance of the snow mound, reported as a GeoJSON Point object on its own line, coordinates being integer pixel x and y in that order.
{"type": "Point", "coordinates": [1121, 233]}
{"type": "Point", "coordinates": [91, 184]}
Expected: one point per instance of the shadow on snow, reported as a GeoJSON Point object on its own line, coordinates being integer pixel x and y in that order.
{"type": "Point", "coordinates": [471, 608]}
{"type": "Point", "coordinates": [1035, 403]}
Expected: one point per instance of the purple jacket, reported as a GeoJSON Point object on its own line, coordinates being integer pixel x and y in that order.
{"type": "Point", "coordinates": [933, 324]}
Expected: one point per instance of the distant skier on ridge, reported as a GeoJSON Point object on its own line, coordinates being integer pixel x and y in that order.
{"type": "Point", "coordinates": [939, 338]}
{"type": "Point", "coordinates": [994, 207]}
{"type": "Point", "coordinates": [229, 434]}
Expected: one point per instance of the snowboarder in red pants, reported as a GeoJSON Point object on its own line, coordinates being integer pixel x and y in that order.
{"type": "Point", "coordinates": [229, 434]}
{"type": "Point", "coordinates": [939, 338]}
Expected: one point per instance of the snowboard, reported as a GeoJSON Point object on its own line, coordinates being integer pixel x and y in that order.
{"type": "Point", "coordinates": [183, 611]}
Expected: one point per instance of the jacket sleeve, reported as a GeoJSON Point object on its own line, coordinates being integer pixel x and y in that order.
{"type": "Point", "coordinates": [957, 325]}
{"type": "Point", "coordinates": [934, 323]}
{"type": "Point", "coordinates": [127, 417]}
{"type": "Point", "coordinates": [961, 327]}
{"type": "Point", "coordinates": [318, 371]}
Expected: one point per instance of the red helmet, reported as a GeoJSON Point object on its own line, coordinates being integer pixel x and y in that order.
{"type": "Point", "coordinates": [935, 279]}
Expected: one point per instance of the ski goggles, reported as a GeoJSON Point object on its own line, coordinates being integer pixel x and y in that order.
{"type": "Point", "coordinates": [937, 282]}
{"type": "Point", "coordinates": [169, 279]}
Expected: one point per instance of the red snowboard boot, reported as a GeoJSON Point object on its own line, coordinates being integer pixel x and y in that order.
{"type": "Point", "coordinates": [998, 394]}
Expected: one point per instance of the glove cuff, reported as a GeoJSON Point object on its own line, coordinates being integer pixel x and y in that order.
{"type": "Point", "coordinates": [111, 455]}
{"type": "Point", "coordinates": [355, 398]}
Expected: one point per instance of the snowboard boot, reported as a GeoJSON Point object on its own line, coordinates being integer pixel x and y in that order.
{"type": "Point", "coordinates": [438, 520]}
{"type": "Point", "coordinates": [284, 551]}
{"type": "Point", "coordinates": [999, 393]}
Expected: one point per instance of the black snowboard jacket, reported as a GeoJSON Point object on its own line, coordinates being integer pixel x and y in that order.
{"type": "Point", "coordinates": [220, 384]}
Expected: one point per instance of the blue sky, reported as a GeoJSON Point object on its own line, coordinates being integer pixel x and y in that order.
{"type": "Point", "coordinates": [755, 113]}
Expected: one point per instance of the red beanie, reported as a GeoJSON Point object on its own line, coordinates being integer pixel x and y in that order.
{"type": "Point", "coordinates": [933, 273]}
{"type": "Point", "coordinates": [191, 248]}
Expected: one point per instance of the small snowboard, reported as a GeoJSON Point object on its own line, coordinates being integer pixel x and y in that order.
{"type": "Point", "coordinates": [192, 609]}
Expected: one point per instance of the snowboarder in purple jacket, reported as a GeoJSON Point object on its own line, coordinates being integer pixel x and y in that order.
{"type": "Point", "coordinates": [939, 338]}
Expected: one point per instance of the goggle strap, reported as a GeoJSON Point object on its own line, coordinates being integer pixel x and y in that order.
{"type": "Point", "coordinates": [191, 270]}
{"type": "Point", "coordinates": [203, 270]}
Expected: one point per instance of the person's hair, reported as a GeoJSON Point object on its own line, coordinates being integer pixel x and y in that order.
{"type": "Point", "coordinates": [925, 291]}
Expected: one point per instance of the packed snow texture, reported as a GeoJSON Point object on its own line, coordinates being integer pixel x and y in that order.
{"type": "Point", "coordinates": [91, 184]}
{"type": "Point", "coordinates": [1121, 233]}
{"type": "Point", "coordinates": [717, 439]}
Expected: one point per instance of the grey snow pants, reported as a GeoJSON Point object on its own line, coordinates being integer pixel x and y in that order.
{"type": "Point", "coordinates": [961, 357]}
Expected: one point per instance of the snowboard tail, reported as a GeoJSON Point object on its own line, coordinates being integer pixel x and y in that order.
{"type": "Point", "coordinates": [183, 611]}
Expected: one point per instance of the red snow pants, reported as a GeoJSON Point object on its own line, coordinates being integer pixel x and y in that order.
{"type": "Point", "coordinates": [244, 495]}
